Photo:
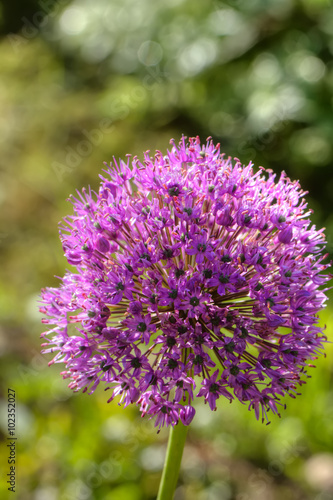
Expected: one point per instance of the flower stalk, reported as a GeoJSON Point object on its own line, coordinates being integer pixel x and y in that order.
{"type": "Point", "coordinates": [174, 453]}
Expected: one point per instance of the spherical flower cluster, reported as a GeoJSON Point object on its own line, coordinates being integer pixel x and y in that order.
{"type": "Point", "coordinates": [196, 276]}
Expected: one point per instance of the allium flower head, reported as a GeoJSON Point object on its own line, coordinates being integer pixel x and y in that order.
{"type": "Point", "coordinates": [195, 277]}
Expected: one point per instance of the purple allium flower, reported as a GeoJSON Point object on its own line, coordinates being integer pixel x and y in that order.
{"type": "Point", "coordinates": [187, 266]}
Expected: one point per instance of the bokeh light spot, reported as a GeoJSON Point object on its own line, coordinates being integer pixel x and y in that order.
{"type": "Point", "coordinates": [73, 20]}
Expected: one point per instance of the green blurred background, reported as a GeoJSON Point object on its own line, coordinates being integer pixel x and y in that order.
{"type": "Point", "coordinates": [82, 81]}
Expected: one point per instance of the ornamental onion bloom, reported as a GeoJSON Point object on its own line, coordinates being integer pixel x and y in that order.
{"type": "Point", "coordinates": [195, 277]}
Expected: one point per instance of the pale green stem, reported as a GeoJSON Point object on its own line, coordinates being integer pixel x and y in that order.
{"type": "Point", "coordinates": [177, 438]}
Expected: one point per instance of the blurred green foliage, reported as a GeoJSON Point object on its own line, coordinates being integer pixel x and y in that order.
{"type": "Point", "coordinates": [82, 82]}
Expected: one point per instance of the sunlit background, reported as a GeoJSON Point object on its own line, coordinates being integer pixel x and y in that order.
{"type": "Point", "coordinates": [82, 81]}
